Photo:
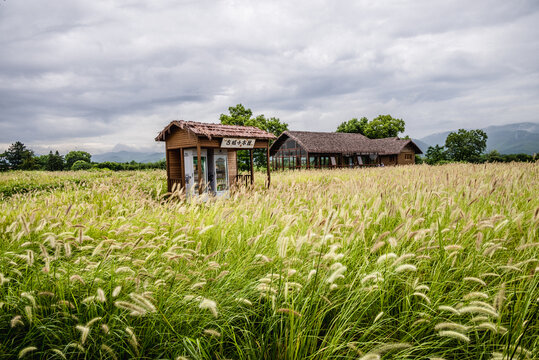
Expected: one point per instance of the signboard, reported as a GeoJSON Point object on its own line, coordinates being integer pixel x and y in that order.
{"type": "Point", "coordinates": [238, 143]}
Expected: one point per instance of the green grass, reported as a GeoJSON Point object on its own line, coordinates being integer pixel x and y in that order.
{"type": "Point", "coordinates": [366, 263]}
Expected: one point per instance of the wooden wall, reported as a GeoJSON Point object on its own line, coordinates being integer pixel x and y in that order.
{"type": "Point", "coordinates": [261, 144]}
{"type": "Point", "coordinates": [232, 167]}
{"type": "Point", "coordinates": [400, 159]}
{"type": "Point", "coordinates": [180, 138]}
{"type": "Point", "coordinates": [174, 166]}
{"type": "Point", "coordinates": [388, 160]}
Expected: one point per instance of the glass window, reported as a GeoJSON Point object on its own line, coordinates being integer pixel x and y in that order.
{"type": "Point", "coordinates": [221, 174]}
{"type": "Point", "coordinates": [290, 144]}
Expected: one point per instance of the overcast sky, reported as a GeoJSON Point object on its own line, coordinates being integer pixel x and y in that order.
{"type": "Point", "coordinates": [94, 74]}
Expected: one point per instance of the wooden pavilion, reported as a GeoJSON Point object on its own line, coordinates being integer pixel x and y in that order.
{"type": "Point", "coordinates": [214, 146]}
{"type": "Point", "coordinates": [306, 149]}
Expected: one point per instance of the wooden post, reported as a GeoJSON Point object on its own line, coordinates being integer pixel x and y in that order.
{"type": "Point", "coordinates": [308, 161]}
{"type": "Point", "coordinates": [268, 161]}
{"type": "Point", "coordinates": [182, 169]}
{"type": "Point", "coordinates": [252, 168]}
{"type": "Point", "coordinates": [169, 187]}
{"type": "Point", "coordinates": [199, 168]}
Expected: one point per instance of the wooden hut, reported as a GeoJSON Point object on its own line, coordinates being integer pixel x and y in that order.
{"type": "Point", "coordinates": [214, 146]}
{"type": "Point", "coordinates": [305, 149]}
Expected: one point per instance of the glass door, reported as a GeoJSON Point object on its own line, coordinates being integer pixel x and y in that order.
{"type": "Point", "coordinates": [204, 172]}
{"type": "Point", "coordinates": [221, 173]}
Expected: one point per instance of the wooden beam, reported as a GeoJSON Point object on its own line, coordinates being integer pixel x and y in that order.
{"type": "Point", "coordinates": [268, 162]}
{"type": "Point", "coordinates": [199, 168]}
{"type": "Point", "coordinates": [182, 169]}
{"type": "Point", "coordinates": [169, 188]}
{"type": "Point", "coordinates": [252, 168]}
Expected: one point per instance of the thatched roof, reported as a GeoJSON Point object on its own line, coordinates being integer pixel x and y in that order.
{"type": "Point", "coordinates": [343, 143]}
{"type": "Point", "coordinates": [215, 130]}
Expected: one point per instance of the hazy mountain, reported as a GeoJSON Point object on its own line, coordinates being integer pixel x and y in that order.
{"type": "Point", "coordinates": [422, 145]}
{"type": "Point", "coordinates": [127, 156]}
{"type": "Point", "coordinates": [507, 139]}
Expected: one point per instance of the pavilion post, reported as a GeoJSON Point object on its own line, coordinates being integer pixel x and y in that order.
{"type": "Point", "coordinates": [268, 162]}
{"type": "Point", "coordinates": [199, 169]}
{"type": "Point", "coordinates": [252, 167]}
{"type": "Point", "coordinates": [182, 169]}
{"type": "Point", "coordinates": [169, 183]}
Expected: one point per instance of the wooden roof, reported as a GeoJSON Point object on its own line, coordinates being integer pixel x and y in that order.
{"type": "Point", "coordinates": [343, 143]}
{"type": "Point", "coordinates": [210, 130]}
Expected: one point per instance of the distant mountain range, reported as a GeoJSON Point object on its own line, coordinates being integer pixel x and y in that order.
{"type": "Point", "coordinates": [507, 139]}
{"type": "Point", "coordinates": [128, 156]}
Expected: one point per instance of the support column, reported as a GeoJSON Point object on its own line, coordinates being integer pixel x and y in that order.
{"type": "Point", "coordinates": [308, 161]}
{"type": "Point", "coordinates": [252, 167]}
{"type": "Point", "coordinates": [182, 169]}
{"type": "Point", "coordinates": [199, 168]}
{"type": "Point", "coordinates": [169, 187]}
{"type": "Point", "coordinates": [268, 161]}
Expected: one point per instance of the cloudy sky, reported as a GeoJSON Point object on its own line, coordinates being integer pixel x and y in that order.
{"type": "Point", "coordinates": [103, 75]}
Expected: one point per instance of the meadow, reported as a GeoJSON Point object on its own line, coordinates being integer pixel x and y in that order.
{"type": "Point", "coordinates": [416, 262]}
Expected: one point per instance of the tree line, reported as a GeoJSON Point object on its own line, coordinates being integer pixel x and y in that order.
{"type": "Point", "coordinates": [19, 157]}
{"type": "Point", "coordinates": [469, 146]}
{"type": "Point", "coordinates": [461, 146]}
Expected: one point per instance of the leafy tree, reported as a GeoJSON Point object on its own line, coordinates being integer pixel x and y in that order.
{"type": "Point", "coordinates": [19, 157]}
{"type": "Point", "coordinates": [73, 156]}
{"type": "Point", "coordinates": [41, 161]}
{"type": "Point", "coordinates": [384, 126]}
{"type": "Point", "coordinates": [353, 126]}
{"type": "Point", "coordinates": [493, 156]}
{"type": "Point", "coordinates": [435, 154]}
{"type": "Point", "coordinates": [239, 115]}
{"type": "Point", "coordinates": [81, 165]}
{"type": "Point", "coordinates": [4, 164]}
{"type": "Point", "coordinates": [466, 145]}
{"type": "Point", "coordinates": [380, 127]}
{"type": "Point", "coordinates": [54, 162]}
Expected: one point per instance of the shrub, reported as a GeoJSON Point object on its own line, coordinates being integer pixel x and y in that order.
{"type": "Point", "coordinates": [81, 165]}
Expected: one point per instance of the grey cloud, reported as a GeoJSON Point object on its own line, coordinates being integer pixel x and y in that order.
{"type": "Point", "coordinates": [79, 70]}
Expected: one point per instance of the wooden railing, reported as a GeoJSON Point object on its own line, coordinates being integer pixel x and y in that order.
{"type": "Point", "coordinates": [243, 180]}
{"type": "Point", "coordinates": [324, 167]}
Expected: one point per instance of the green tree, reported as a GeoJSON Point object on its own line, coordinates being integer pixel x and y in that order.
{"type": "Point", "coordinates": [19, 157]}
{"type": "Point", "coordinates": [239, 115]}
{"type": "Point", "coordinates": [353, 126]}
{"type": "Point", "coordinates": [380, 127]}
{"type": "Point", "coordinates": [384, 126]}
{"type": "Point", "coordinates": [493, 156]}
{"type": "Point", "coordinates": [435, 154]}
{"type": "Point", "coordinates": [73, 156]}
{"type": "Point", "coordinates": [4, 164]}
{"type": "Point", "coordinates": [466, 145]}
{"type": "Point", "coordinates": [81, 165]}
{"type": "Point", "coordinates": [54, 162]}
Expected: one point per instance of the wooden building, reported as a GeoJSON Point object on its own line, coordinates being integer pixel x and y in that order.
{"type": "Point", "coordinates": [189, 143]}
{"type": "Point", "coordinates": [305, 149]}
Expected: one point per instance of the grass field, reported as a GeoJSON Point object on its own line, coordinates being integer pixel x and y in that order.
{"type": "Point", "coordinates": [389, 263]}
